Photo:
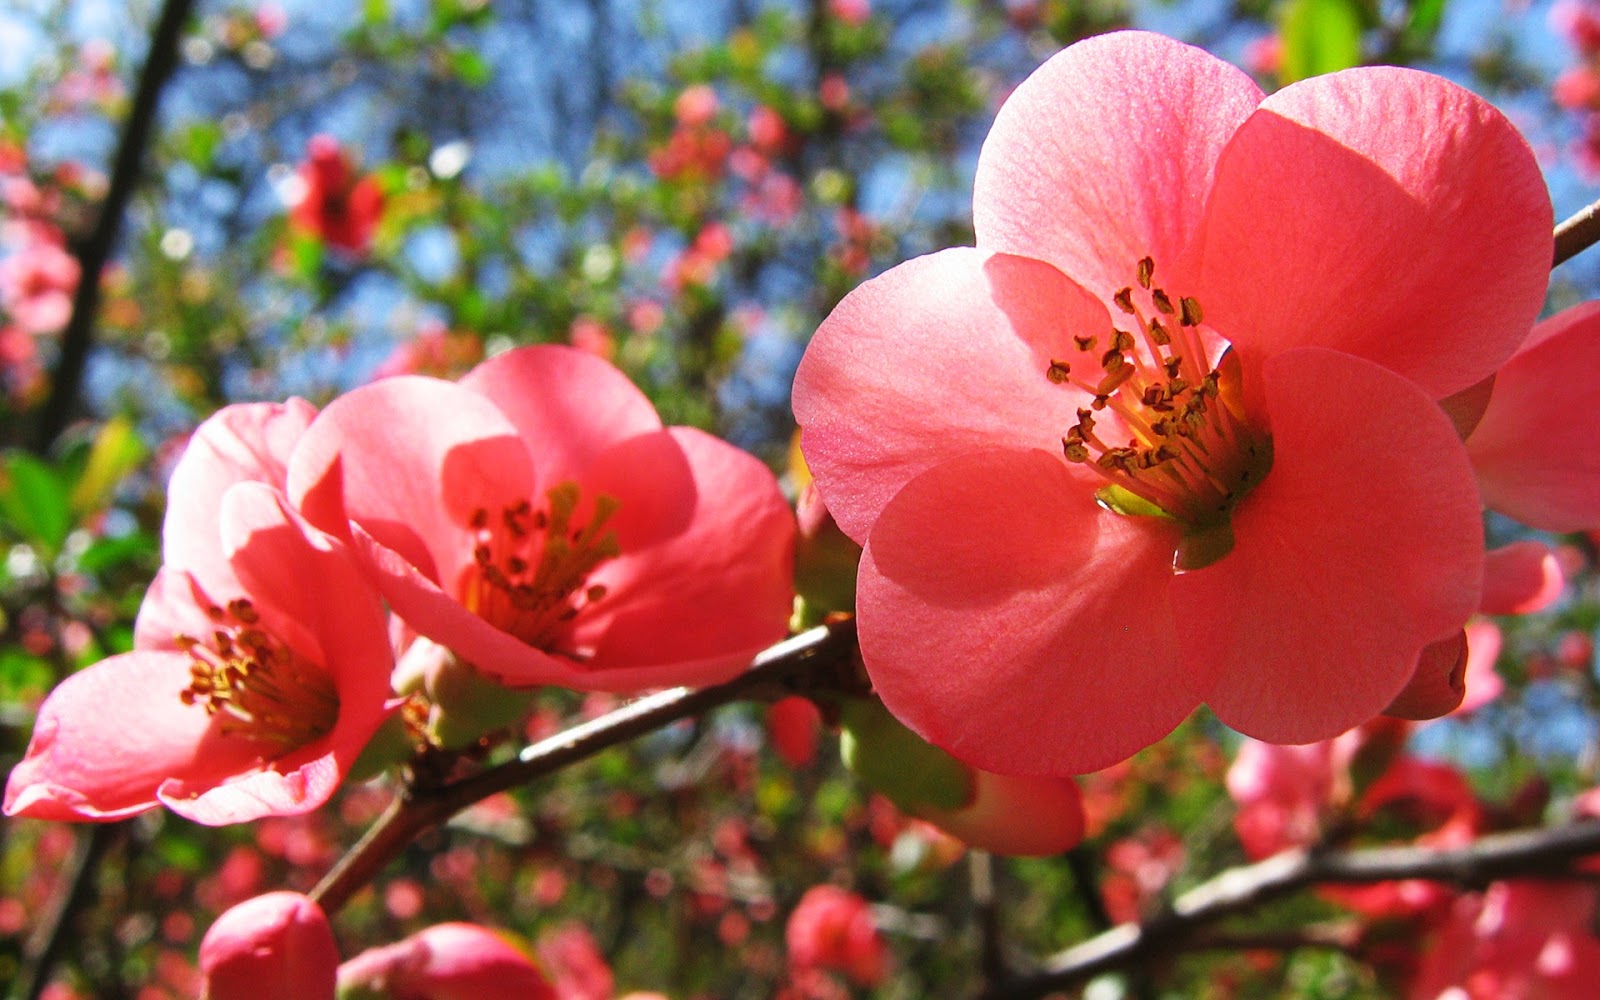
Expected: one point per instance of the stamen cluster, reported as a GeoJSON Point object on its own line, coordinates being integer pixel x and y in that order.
{"type": "Point", "coordinates": [1189, 452]}
{"type": "Point", "coordinates": [246, 673]}
{"type": "Point", "coordinates": [531, 565]}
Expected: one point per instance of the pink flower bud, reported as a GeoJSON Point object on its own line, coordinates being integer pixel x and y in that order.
{"type": "Point", "coordinates": [273, 947]}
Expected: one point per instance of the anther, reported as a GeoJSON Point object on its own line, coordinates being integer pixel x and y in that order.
{"type": "Point", "coordinates": [1163, 303]}
{"type": "Point", "coordinates": [1124, 300]}
{"type": "Point", "coordinates": [1058, 371]}
{"type": "Point", "coordinates": [1147, 271]}
{"type": "Point", "coordinates": [1192, 315]}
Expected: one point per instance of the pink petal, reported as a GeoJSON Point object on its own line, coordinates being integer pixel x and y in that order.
{"type": "Point", "coordinates": [173, 606]}
{"type": "Point", "coordinates": [1535, 449]}
{"type": "Point", "coordinates": [734, 555]}
{"type": "Point", "coordinates": [418, 600]}
{"type": "Point", "coordinates": [273, 947]}
{"type": "Point", "coordinates": [1439, 683]}
{"type": "Point", "coordinates": [1016, 816]}
{"type": "Point", "coordinates": [568, 404]}
{"type": "Point", "coordinates": [302, 576]}
{"type": "Point", "coordinates": [246, 442]}
{"type": "Point", "coordinates": [1521, 578]}
{"type": "Point", "coordinates": [1361, 546]}
{"type": "Point", "coordinates": [107, 737]}
{"type": "Point", "coordinates": [1104, 155]}
{"type": "Point", "coordinates": [1007, 618]}
{"type": "Point", "coordinates": [1383, 212]}
{"type": "Point", "coordinates": [942, 355]}
{"type": "Point", "coordinates": [410, 458]}
{"type": "Point", "coordinates": [1484, 683]}
{"type": "Point", "coordinates": [287, 788]}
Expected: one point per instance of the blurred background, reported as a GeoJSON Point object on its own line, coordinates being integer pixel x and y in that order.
{"type": "Point", "coordinates": [336, 190]}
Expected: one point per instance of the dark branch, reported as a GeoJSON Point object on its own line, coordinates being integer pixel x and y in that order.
{"type": "Point", "coordinates": [74, 891]}
{"type": "Point", "coordinates": [93, 251]}
{"type": "Point", "coordinates": [1523, 853]}
{"type": "Point", "coordinates": [821, 659]}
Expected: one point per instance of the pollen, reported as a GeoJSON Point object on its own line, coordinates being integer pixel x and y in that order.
{"type": "Point", "coordinates": [254, 682]}
{"type": "Point", "coordinates": [1164, 422]}
{"type": "Point", "coordinates": [531, 565]}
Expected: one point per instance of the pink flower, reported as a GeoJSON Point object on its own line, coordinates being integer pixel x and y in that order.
{"type": "Point", "coordinates": [832, 928]}
{"type": "Point", "coordinates": [273, 947]}
{"type": "Point", "coordinates": [452, 961]}
{"type": "Point", "coordinates": [1090, 503]}
{"type": "Point", "coordinates": [1533, 450]}
{"type": "Point", "coordinates": [538, 520]}
{"type": "Point", "coordinates": [36, 286]}
{"type": "Point", "coordinates": [261, 661]}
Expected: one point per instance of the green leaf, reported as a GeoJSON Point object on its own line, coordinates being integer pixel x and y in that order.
{"type": "Point", "coordinates": [108, 553]}
{"type": "Point", "coordinates": [1320, 36]}
{"type": "Point", "coordinates": [33, 501]}
{"type": "Point", "coordinates": [23, 676]}
{"type": "Point", "coordinates": [1426, 16]}
{"type": "Point", "coordinates": [892, 759]}
{"type": "Point", "coordinates": [117, 451]}
{"type": "Point", "coordinates": [470, 67]}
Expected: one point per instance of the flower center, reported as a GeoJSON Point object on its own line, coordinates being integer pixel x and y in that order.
{"type": "Point", "coordinates": [1190, 454]}
{"type": "Point", "coordinates": [531, 566]}
{"type": "Point", "coordinates": [264, 688]}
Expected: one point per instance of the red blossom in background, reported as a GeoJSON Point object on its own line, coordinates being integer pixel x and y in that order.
{"type": "Point", "coordinates": [1518, 940]}
{"type": "Point", "coordinates": [964, 414]}
{"type": "Point", "coordinates": [538, 520]}
{"type": "Point", "coordinates": [833, 929]}
{"type": "Point", "coordinates": [335, 205]}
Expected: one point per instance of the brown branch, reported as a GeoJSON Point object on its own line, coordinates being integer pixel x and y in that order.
{"type": "Point", "coordinates": [1523, 853]}
{"type": "Point", "coordinates": [822, 658]}
{"type": "Point", "coordinates": [1578, 233]}
{"type": "Point", "coordinates": [93, 251]}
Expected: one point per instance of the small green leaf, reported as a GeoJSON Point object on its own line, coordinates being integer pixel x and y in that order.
{"type": "Point", "coordinates": [470, 67]}
{"type": "Point", "coordinates": [1320, 36]}
{"type": "Point", "coordinates": [33, 501]}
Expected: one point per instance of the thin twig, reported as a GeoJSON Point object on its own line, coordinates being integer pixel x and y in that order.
{"type": "Point", "coordinates": [1577, 234]}
{"type": "Point", "coordinates": [986, 906]}
{"type": "Point", "coordinates": [822, 658]}
{"type": "Point", "coordinates": [93, 251]}
{"type": "Point", "coordinates": [1524, 853]}
{"type": "Point", "coordinates": [47, 944]}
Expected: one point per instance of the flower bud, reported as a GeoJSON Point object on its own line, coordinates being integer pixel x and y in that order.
{"type": "Point", "coordinates": [273, 947]}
